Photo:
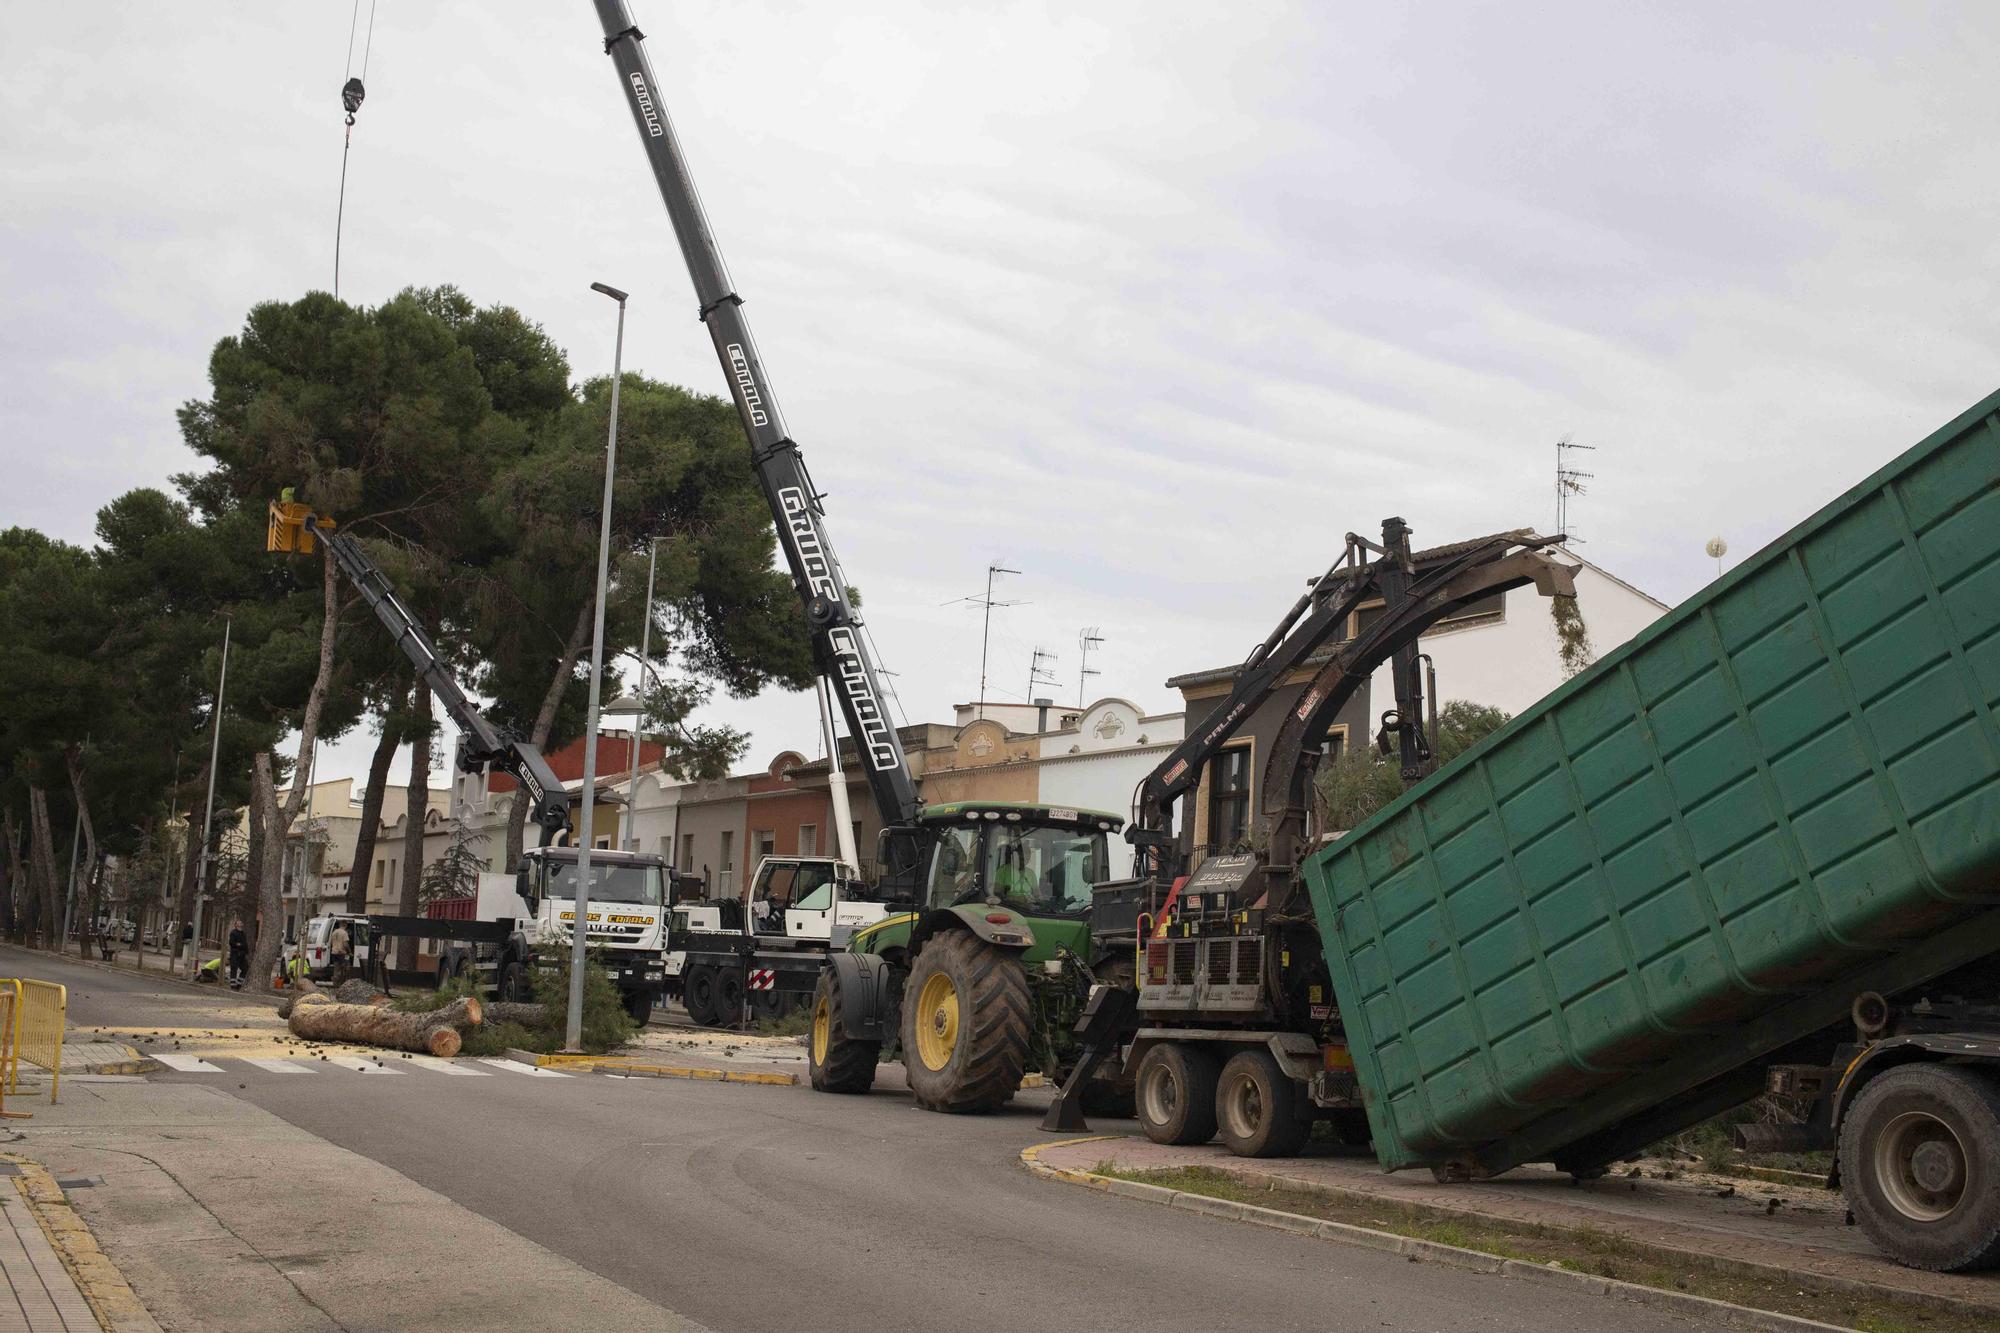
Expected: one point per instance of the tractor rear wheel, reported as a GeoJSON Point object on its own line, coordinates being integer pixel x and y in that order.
{"type": "Point", "coordinates": [836, 1061]}
{"type": "Point", "coordinates": [965, 1024]}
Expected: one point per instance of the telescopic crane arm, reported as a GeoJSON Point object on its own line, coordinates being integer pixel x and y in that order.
{"type": "Point", "coordinates": [840, 653]}
{"type": "Point", "coordinates": [295, 528]}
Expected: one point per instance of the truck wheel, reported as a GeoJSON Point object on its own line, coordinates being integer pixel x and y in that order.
{"type": "Point", "coordinates": [639, 1004]}
{"type": "Point", "coordinates": [698, 994]}
{"type": "Point", "coordinates": [1920, 1165]}
{"type": "Point", "coordinates": [965, 1024]}
{"type": "Point", "coordinates": [728, 997]}
{"type": "Point", "coordinates": [514, 984]}
{"type": "Point", "coordinates": [837, 1062]}
{"type": "Point", "coordinates": [1175, 1089]}
{"type": "Point", "coordinates": [1257, 1107]}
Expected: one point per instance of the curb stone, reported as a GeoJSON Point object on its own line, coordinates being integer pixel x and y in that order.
{"type": "Point", "coordinates": [1425, 1251]}
{"type": "Point", "coordinates": [104, 1287]}
{"type": "Point", "coordinates": [627, 1067]}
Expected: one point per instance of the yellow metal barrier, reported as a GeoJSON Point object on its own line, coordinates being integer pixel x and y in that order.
{"type": "Point", "coordinates": [34, 1032]}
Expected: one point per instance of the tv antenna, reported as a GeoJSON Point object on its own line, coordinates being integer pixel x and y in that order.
{"type": "Point", "coordinates": [1569, 481]}
{"type": "Point", "coordinates": [986, 605]}
{"type": "Point", "coordinates": [1039, 674]}
{"type": "Point", "coordinates": [1086, 641]}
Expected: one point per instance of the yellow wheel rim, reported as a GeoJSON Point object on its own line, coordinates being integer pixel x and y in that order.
{"type": "Point", "coordinates": [937, 1021]}
{"type": "Point", "coordinates": [822, 1030]}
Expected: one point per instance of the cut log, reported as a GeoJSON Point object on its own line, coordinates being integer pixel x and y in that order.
{"type": "Point", "coordinates": [302, 988]}
{"type": "Point", "coordinates": [318, 1017]}
{"type": "Point", "coordinates": [508, 1011]}
{"type": "Point", "coordinates": [356, 991]}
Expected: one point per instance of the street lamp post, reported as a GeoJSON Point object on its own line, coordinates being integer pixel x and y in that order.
{"type": "Point", "coordinates": [206, 881]}
{"type": "Point", "coordinates": [580, 924]}
{"type": "Point", "coordinates": [639, 717]}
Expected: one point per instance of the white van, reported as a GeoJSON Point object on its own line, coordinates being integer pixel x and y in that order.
{"type": "Point", "coordinates": [318, 944]}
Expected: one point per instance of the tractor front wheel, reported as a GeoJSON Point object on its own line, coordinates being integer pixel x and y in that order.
{"type": "Point", "coordinates": [965, 1024]}
{"type": "Point", "coordinates": [836, 1061]}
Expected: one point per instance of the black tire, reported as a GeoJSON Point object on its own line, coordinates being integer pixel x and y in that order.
{"type": "Point", "coordinates": [514, 984]}
{"type": "Point", "coordinates": [698, 994]}
{"type": "Point", "coordinates": [771, 1005]}
{"type": "Point", "coordinates": [1920, 1166]}
{"type": "Point", "coordinates": [639, 1004]}
{"type": "Point", "coordinates": [837, 1062]}
{"type": "Point", "coordinates": [728, 997]}
{"type": "Point", "coordinates": [1175, 1094]}
{"type": "Point", "coordinates": [968, 1054]}
{"type": "Point", "coordinates": [1257, 1107]}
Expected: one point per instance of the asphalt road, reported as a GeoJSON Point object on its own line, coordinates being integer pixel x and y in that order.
{"type": "Point", "coordinates": [747, 1207]}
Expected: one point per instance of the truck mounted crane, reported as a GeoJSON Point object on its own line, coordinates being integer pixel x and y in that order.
{"type": "Point", "coordinates": [519, 918]}
{"type": "Point", "coordinates": [971, 978]}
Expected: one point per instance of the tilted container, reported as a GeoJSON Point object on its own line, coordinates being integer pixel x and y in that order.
{"type": "Point", "coordinates": [1589, 930]}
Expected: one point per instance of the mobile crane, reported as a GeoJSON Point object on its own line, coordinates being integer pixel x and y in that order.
{"type": "Point", "coordinates": [519, 920]}
{"type": "Point", "coordinates": [972, 975]}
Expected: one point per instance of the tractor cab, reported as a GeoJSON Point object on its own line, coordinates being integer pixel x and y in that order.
{"type": "Point", "coordinates": [1037, 860]}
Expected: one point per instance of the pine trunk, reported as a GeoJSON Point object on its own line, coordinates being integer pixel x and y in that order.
{"type": "Point", "coordinates": [414, 827]}
{"type": "Point", "coordinates": [10, 887]}
{"type": "Point", "coordinates": [192, 848]}
{"type": "Point", "coordinates": [545, 721]}
{"type": "Point", "coordinates": [371, 813]}
{"type": "Point", "coordinates": [316, 1016]}
{"type": "Point", "coordinates": [42, 858]}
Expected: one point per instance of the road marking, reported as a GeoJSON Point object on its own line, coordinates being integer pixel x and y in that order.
{"type": "Point", "coordinates": [355, 1062]}
{"type": "Point", "coordinates": [188, 1064]}
{"type": "Point", "coordinates": [431, 1062]}
{"type": "Point", "coordinates": [276, 1066]}
{"type": "Point", "coordinates": [516, 1067]}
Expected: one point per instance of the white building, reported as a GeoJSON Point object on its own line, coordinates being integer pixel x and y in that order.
{"type": "Point", "coordinates": [1099, 760]}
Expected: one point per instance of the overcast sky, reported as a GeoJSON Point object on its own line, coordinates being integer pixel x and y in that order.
{"type": "Point", "coordinates": [1152, 302]}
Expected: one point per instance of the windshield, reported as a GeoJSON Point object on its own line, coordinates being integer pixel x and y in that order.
{"type": "Point", "coordinates": [608, 883]}
{"type": "Point", "coordinates": [1039, 871]}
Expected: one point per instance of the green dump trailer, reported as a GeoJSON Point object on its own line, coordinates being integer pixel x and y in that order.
{"type": "Point", "coordinates": [1756, 847]}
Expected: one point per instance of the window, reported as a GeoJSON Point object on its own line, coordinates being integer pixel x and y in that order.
{"type": "Point", "coordinates": [728, 860]}
{"type": "Point", "coordinates": [1044, 871]}
{"type": "Point", "coordinates": [808, 840]}
{"type": "Point", "coordinates": [765, 843]}
{"type": "Point", "coordinates": [1229, 797]}
{"type": "Point", "coordinates": [687, 852]}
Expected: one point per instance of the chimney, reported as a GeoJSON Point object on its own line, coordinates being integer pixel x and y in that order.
{"type": "Point", "coordinates": [1042, 707]}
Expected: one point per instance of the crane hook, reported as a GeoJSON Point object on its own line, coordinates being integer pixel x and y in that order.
{"type": "Point", "coordinates": [351, 94]}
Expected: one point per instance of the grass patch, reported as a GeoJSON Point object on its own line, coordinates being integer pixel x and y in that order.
{"type": "Point", "coordinates": [1581, 1250]}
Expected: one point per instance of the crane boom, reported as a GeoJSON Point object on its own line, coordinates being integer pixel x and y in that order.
{"type": "Point", "coordinates": [840, 653]}
{"type": "Point", "coordinates": [293, 527]}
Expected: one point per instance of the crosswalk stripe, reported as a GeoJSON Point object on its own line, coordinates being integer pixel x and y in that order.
{"type": "Point", "coordinates": [516, 1067]}
{"type": "Point", "coordinates": [188, 1064]}
{"type": "Point", "coordinates": [276, 1066]}
{"type": "Point", "coordinates": [355, 1062]}
{"type": "Point", "coordinates": [431, 1062]}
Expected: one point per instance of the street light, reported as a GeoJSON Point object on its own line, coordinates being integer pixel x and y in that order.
{"type": "Point", "coordinates": [639, 715]}
{"type": "Point", "coordinates": [207, 879]}
{"type": "Point", "coordinates": [580, 923]}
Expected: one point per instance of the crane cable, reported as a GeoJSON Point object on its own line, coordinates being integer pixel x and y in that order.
{"type": "Point", "coordinates": [351, 94]}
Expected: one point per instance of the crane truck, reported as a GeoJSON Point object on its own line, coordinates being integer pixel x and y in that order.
{"type": "Point", "coordinates": [522, 921]}
{"type": "Point", "coordinates": [972, 970]}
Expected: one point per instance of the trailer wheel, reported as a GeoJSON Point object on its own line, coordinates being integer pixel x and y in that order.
{"type": "Point", "coordinates": [965, 1024]}
{"type": "Point", "coordinates": [698, 994]}
{"type": "Point", "coordinates": [1920, 1165]}
{"type": "Point", "coordinates": [1257, 1107]}
{"type": "Point", "coordinates": [835, 1061]}
{"type": "Point", "coordinates": [1175, 1094]}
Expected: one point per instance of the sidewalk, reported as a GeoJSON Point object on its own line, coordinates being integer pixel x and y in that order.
{"type": "Point", "coordinates": [45, 1289]}
{"type": "Point", "coordinates": [1708, 1221]}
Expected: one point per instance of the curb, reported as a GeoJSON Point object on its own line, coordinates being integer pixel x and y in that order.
{"type": "Point", "coordinates": [111, 1297]}
{"type": "Point", "coordinates": [630, 1068]}
{"type": "Point", "coordinates": [1423, 1251]}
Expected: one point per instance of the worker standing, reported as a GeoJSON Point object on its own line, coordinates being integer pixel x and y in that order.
{"type": "Point", "coordinates": [338, 947]}
{"type": "Point", "coordinates": [239, 954]}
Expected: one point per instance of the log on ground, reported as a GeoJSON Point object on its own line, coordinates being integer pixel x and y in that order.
{"type": "Point", "coordinates": [319, 1018]}
{"type": "Point", "coordinates": [509, 1011]}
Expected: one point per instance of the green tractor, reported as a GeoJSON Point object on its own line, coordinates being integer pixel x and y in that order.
{"type": "Point", "coordinates": [981, 982]}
